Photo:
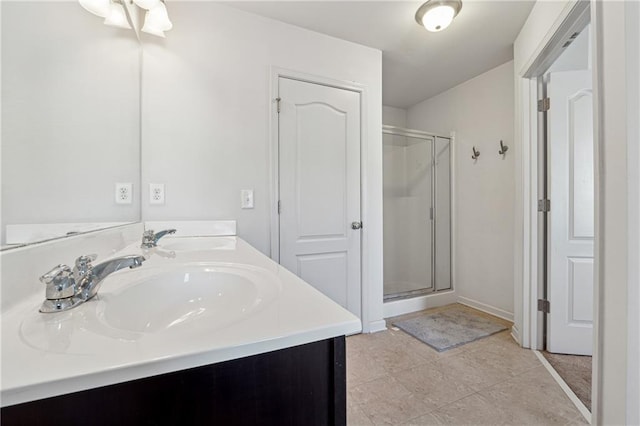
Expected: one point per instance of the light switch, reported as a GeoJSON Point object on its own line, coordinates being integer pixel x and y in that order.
{"type": "Point", "coordinates": [246, 198]}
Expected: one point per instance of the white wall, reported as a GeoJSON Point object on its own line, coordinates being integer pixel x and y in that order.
{"type": "Point", "coordinates": [392, 116]}
{"type": "Point", "coordinates": [207, 115]}
{"type": "Point", "coordinates": [70, 115]}
{"type": "Point", "coordinates": [480, 111]}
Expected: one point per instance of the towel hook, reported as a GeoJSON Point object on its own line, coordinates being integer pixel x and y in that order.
{"type": "Point", "coordinates": [503, 149]}
{"type": "Point", "coordinates": [476, 153]}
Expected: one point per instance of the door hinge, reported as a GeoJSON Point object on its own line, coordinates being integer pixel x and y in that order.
{"type": "Point", "coordinates": [544, 306]}
{"type": "Point", "coordinates": [278, 206]}
{"type": "Point", "coordinates": [544, 104]}
{"type": "Point", "coordinates": [544, 205]}
{"type": "Point", "coordinates": [430, 213]}
{"type": "Point", "coordinates": [278, 99]}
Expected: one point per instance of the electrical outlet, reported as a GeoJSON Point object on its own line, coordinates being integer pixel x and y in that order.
{"type": "Point", "coordinates": [124, 193]}
{"type": "Point", "coordinates": [246, 198]}
{"type": "Point", "coordinates": [156, 193]}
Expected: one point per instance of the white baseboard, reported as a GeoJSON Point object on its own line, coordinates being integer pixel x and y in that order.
{"type": "Point", "coordinates": [376, 326]}
{"type": "Point", "coordinates": [515, 334]}
{"type": "Point", "coordinates": [415, 304]}
{"type": "Point", "coordinates": [500, 313]}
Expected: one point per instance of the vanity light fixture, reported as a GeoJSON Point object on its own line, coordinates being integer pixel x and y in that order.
{"type": "Point", "coordinates": [436, 15]}
{"type": "Point", "coordinates": [156, 19]}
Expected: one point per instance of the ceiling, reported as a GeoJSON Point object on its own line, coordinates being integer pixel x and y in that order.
{"type": "Point", "coordinates": [416, 64]}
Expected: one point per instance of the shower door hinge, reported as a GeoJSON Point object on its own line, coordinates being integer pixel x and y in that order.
{"type": "Point", "coordinates": [544, 205]}
{"type": "Point", "coordinates": [278, 99]}
{"type": "Point", "coordinates": [278, 206]}
{"type": "Point", "coordinates": [544, 306]}
{"type": "Point", "coordinates": [544, 104]}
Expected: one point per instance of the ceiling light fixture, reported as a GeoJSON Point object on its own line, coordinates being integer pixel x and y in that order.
{"type": "Point", "coordinates": [436, 15]}
{"type": "Point", "coordinates": [156, 19]}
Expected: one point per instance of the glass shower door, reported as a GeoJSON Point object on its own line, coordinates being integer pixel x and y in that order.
{"type": "Point", "coordinates": [408, 215]}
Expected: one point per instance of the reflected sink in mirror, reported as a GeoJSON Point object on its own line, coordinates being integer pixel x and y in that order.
{"type": "Point", "coordinates": [202, 297]}
{"type": "Point", "coordinates": [197, 243]}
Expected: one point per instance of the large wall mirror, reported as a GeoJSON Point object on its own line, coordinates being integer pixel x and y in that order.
{"type": "Point", "coordinates": [70, 122]}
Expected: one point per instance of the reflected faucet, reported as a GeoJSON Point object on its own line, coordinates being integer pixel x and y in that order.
{"type": "Point", "coordinates": [68, 288]}
{"type": "Point", "coordinates": [150, 238]}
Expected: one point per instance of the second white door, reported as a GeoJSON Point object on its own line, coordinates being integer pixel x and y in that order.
{"type": "Point", "coordinates": [571, 224]}
{"type": "Point", "coordinates": [319, 185]}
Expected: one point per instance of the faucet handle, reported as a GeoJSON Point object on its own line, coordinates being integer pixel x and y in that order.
{"type": "Point", "coordinates": [83, 265]}
{"type": "Point", "coordinates": [60, 283]}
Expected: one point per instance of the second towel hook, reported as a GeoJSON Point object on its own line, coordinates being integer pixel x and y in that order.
{"type": "Point", "coordinates": [503, 149]}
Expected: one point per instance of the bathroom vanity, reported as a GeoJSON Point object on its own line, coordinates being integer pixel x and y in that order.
{"type": "Point", "coordinates": [207, 331]}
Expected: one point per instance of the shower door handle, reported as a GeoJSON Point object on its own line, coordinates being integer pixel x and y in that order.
{"type": "Point", "coordinates": [356, 225]}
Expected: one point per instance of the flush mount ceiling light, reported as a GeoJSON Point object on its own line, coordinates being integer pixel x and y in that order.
{"type": "Point", "coordinates": [156, 19]}
{"type": "Point", "coordinates": [436, 15]}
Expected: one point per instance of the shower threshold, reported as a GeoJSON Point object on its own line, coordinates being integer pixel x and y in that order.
{"type": "Point", "coordinates": [407, 294]}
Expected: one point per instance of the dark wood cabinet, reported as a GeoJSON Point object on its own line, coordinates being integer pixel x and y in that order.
{"type": "Point", "coordinates": [302, 385]}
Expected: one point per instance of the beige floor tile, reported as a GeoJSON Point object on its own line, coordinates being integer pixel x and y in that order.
{"type": "Point", "coordinates": [471, 410]}
{"type": "Point", "coordinates": [433, 384]}
{"type": "Point", "coordinates": [397, 358]}
{"type": "Point", "coordinates": [396, 411]}
{"type": "Point", "coordinates": [513, 360]}
{"type": "Point", "coordinates": [473, 372]}
{"type": "Point", "coordinates": [426, 420]}
{"type": "Point", "coordinates": [531, 398]}
{"type": "Point", "coordinates": [579, 421]}
{"type": "Point", "coordinates": [386, 387]}
{"type": "Point", "coordinates": [357, 417]}
{"type": "Point", "coordinates": [362, 368]}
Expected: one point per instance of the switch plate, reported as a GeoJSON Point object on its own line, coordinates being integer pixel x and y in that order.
{"type": "Point", "coordinates": [124, 193]}
{"type": "Point", "coordinates": [246, 198]}
{"type": "Point", "coordinates": [156, 193]}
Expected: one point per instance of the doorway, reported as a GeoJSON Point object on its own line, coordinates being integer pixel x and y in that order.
{"type": "Point", "coordinates": [566, 211]}
{"type": "Point", "coordinates": [319, 187]}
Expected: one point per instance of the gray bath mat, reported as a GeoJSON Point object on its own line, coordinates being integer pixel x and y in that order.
{"type": "Point", "coordinates": [449, 329]}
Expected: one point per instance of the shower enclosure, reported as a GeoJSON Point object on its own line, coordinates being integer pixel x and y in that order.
{"type": "Point", "coordinates": [417, 213]}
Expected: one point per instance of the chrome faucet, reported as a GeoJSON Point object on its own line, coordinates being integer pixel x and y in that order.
{"type": "Point", "coordinates": [68, 288]}
{"type": "Point", "coordinates": [150, 238]}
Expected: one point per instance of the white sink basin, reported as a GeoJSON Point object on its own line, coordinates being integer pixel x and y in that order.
{"type": "Point", "coordinates": [193, 297]}
{"type": "Point", "coordinates": [197, 244]}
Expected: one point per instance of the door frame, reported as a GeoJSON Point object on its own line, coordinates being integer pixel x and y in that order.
{"type": "Point", "coordinates": [531, 134]}
{"type": "Point", "coordinates": [275, 74]}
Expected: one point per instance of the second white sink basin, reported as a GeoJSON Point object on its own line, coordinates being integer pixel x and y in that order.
{"type": "Point", "coordinates": [192, 297]}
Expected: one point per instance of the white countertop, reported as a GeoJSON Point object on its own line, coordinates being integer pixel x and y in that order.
{"type": "Point", "coordinates": [45, 355]}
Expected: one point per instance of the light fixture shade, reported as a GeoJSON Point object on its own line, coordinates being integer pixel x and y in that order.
{"type": "Point", "coordinates": [97, 7]}
{"type": "Point", "coordinates": [156, 21]}
{"type": "Point", "coordinates": [436, 15]}
{"type": "Point", "coordinates": [147, 4]}
{"type": "Point", "coordinates": [117, 17]}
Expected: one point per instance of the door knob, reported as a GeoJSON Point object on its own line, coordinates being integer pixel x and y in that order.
{"type": "Point", "coordinates": [356, 225]}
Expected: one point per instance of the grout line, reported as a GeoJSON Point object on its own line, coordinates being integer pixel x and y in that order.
{"type": "Point", "coordinates": [572, 396]}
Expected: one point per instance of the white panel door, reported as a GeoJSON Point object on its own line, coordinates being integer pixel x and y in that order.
{"type": "Point", "coordinates": [571, 220]}
{"type": "Point", "coordinates": [319, 176]}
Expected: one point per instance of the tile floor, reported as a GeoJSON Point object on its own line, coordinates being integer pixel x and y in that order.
{"type": "Point", "coordinates": [395, 379]}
